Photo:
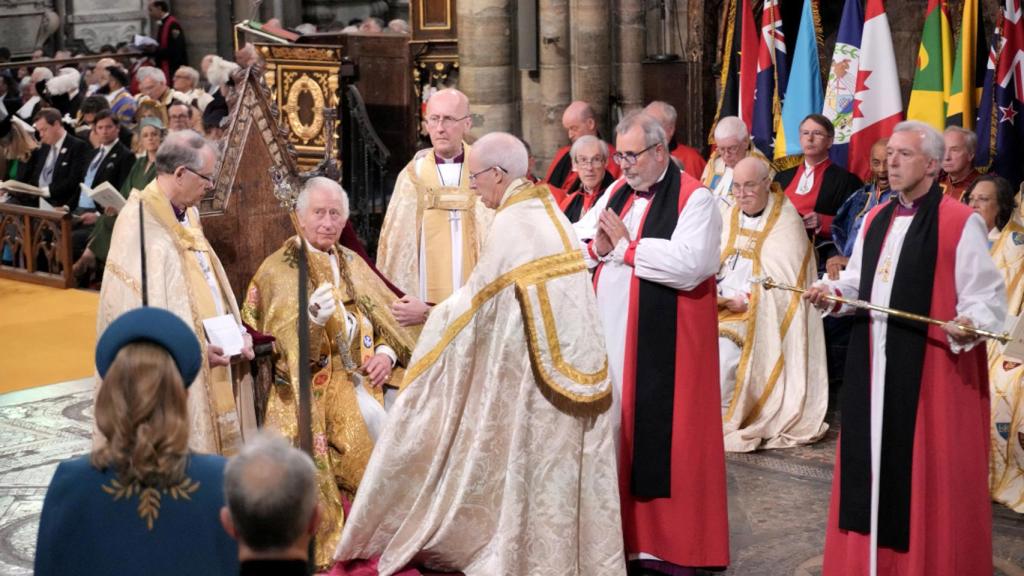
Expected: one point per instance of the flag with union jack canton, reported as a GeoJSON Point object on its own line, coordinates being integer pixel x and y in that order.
{"type": "Point", "coordinates": [772, 76]}
{"type": "Point", "coordinates": [1003, 99]}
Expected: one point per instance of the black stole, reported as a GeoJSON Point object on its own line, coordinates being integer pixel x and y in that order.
{"type": "Point", "coordinates": [904, 350]}
{"type": "Point", "coordinates": [574, 209]}
{"type": "Point", "coordinates": [563, 168]}
{"type": "Point", "coordinates": [651, 475]}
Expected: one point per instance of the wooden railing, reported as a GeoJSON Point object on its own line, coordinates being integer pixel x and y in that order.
{"type": "Point", "coordinates": [35, 246]}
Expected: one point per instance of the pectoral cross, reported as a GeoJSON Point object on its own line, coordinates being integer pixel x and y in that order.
{"type": "Point", "coordinates": [886, 269]}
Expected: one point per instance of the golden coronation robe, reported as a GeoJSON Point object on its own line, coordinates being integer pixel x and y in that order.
{"type": "Point", "coordinates": [774, 353]}
{"type": "Point", "coordinates": [498, 457]}
{"type": "Point", "coordinates": [433, 230]}
{"type": "Point", "coordinates": [342, 442]}
{"type": "Point", "coordinates": [1006, 465]}
{"type": "Point", "coordinates": [185, 277]}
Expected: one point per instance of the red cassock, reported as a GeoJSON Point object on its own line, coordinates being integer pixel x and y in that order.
{"type": "Point", "coordinates": [950, 516]}
{"type": "Point", "coordinates": [693, 163]}
{"type": "Point", "coordinates": [690, 527]}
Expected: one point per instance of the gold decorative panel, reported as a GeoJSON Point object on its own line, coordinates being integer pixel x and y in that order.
{"type": "Point", "coordinates": [303, 80]}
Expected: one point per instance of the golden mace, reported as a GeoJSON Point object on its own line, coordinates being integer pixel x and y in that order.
{"type": "Point", "coordinates": [768, 284]}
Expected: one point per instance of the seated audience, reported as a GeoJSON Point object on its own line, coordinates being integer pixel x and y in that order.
{"type": "Point", "coordinates": [846, 225]}
{"type": "Point", "coordinates": [186, 85]}
{"type": "Point", "coordinates": [110, 162]}
{"type": "Point", "coordinates": [16, 147]}
{"type": "Point", "coordinates": [732, 144]}
{"type": "Point", "coordinates": [179, 116]}
{"type": "Point", "coordinates": [151, 135]}
{"type": "Point", "coordinates": [271, 507]}
{"type": "Point", "coordinates": [760, 331]}
{"type": "Point", "coordinates": [140, 502]}
{"type": "Point", "coordinates": [122, 104]}
{"type": "Point", "coordinates": [59, 164]}
{"type": "Point", "coordinates": [372, 25]}
{"type": "Point", "coordinates": [153, 86]}
{"type": "Point", "coordinates": [398, 26]}
{"type": "Point", "coordinates": [958, 171]}
{"type": "Point", "coordinates": [579, 119]}
{"type": "Point", "coordinates": [817, 187]}
{"type": "Point", "coordinates": [589, 159]}
{"type": "Point", "coordinates": [992, 198]}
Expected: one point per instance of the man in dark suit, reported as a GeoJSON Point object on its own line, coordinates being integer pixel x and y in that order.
{"type": "Point", "coordinates": [58, 164]}
{"type": "Point", "coordinates": [109, 162]}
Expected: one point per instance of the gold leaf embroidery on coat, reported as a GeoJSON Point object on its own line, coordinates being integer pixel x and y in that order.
{"type": "Point", "coordinates": [150, 498]}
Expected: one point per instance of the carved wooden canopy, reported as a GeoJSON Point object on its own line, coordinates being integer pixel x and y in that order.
{"type": "Point", "coordinates": [242, 218]}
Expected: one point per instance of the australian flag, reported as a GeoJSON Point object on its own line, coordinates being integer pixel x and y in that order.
{"type": "Point", "coordinates": [1000, 124]}
{"type": "Point", "coordinates": [772, 77]}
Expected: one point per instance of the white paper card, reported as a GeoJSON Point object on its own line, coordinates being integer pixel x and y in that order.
{"type": "Point", "coordinates": [105, 195]}
{"type": "Point", "coordinates": [223, 331]}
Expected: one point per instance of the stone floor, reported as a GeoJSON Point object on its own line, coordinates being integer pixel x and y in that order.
{"type": "Point", "coordinates": [777, 499]}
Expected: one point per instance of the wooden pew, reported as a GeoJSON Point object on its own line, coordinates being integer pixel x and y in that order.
{"type": "Point", "coordinates": [35, 246]}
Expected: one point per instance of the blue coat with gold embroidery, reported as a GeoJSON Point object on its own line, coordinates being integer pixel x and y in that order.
{"type": "Point", "coordinates": [91, 524]}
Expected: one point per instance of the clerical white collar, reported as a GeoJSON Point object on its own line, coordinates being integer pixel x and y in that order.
{"type": "Point", "coordinates": [812, 167]}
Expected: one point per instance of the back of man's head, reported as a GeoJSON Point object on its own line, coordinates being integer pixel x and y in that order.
{"type": "Point", "coordinates": [271, 495]}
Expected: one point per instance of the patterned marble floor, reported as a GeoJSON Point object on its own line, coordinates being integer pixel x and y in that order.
{"type": "Point", "coordinates": [777, 499]}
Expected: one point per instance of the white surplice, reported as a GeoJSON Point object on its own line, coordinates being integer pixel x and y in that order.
{"type": "Point", "coordinates": [682, 262]}
{"type": "Point", "coordinates": [981, 297]}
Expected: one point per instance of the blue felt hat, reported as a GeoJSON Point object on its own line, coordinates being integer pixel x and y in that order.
{"type": "Point", "coordinates": [154, 325]}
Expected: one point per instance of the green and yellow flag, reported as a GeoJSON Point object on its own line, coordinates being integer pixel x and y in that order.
{"type": "Point", "coordinates": [930, 94]}
{"type": "Point", "coordinates": [968, 70]}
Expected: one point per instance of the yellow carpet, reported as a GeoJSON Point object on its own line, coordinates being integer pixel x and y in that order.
{"type": "Point", "coordinates": [47, 335]}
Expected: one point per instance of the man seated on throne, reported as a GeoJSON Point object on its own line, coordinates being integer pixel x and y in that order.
{"type": "Point", "coordinates": [355, 346]}
{"type": "Point", "coordinates": [771, 344]}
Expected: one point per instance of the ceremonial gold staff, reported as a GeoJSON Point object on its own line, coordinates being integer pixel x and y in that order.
{"type": "Point", "coordinates": [1005, 337]}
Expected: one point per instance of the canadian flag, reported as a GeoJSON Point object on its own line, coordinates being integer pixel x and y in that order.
{"type": "Point", "coordinates": [877, 106]}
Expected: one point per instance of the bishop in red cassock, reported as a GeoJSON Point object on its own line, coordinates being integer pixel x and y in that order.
{"type": "Point", "coordinates": [654, 241]}
{"type": "Point", "coordinates": [579, 119]}
{"type": "Point", "coordinates": [910, 489]}
{"type": "Point", "coordinates": [687, 158]}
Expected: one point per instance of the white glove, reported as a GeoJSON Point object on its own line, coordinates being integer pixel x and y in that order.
{"type": "Point", "coordinates": [321, 304]}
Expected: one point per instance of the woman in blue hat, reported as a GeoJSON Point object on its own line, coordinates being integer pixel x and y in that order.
{"type": "Point", "coordinates": [140, 503]}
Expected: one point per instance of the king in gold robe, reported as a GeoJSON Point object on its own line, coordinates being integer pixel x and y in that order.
{"type": "Point", "coordinates": [772, 354]}
{"type": "Point", "coordinates": [498, 457]}
{"type": "Point", "coordinates": [1006, 467]}
{"type": "Point", "coordinates": [345, 419]}
{"type": "Point", "coordinates": [433, 229]}
{"type": "Point", "coordinates": [184, 276]}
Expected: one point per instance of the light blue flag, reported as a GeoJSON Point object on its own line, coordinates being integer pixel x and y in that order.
{"type": "Point", "coordinates": [804, 94]}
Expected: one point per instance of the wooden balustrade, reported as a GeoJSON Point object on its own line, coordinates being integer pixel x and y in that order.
{"type": "Point", "coordinates": [35, 246]}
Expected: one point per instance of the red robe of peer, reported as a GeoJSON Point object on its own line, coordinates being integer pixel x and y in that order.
{"type": "Point", "coordinates": [950, 514]}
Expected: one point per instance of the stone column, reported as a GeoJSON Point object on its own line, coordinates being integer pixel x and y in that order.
{"type": "Point", "coordinates": [555, 76]}
{"type": "Point", "coordinates": [591, 58]}
{"type": "Point", "coordinates": [485, 63]}
{"type": "Point", "coordinates": [629, 54]}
